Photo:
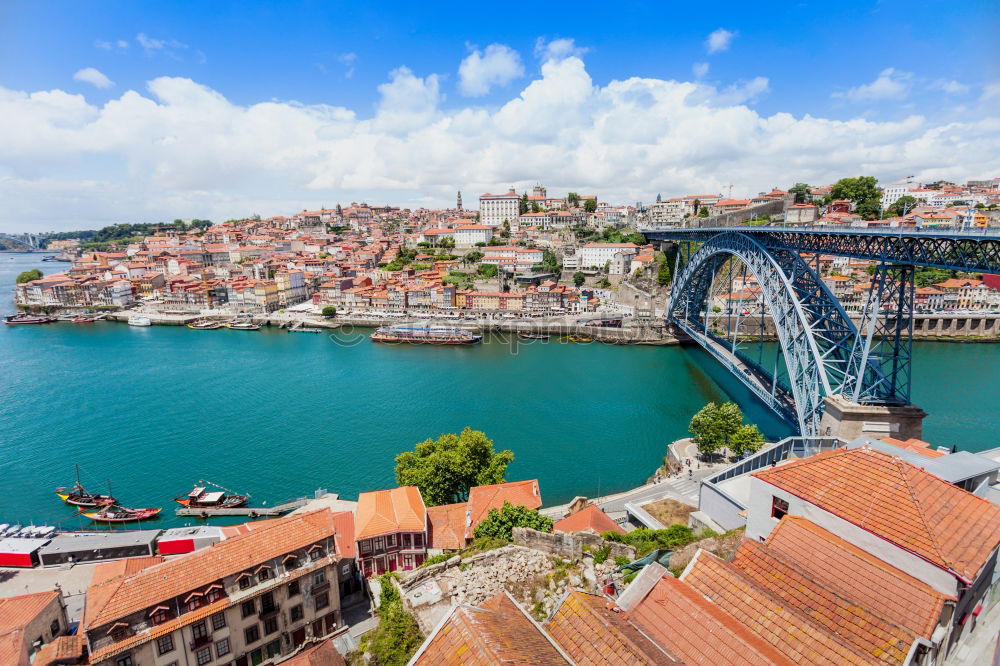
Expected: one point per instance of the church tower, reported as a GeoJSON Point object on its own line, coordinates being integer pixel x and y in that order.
{"type": "Point", "coordinates": [458, 204]}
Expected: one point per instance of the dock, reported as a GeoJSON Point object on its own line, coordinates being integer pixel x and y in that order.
{"type": "Point", "coordinates": [251, 512]}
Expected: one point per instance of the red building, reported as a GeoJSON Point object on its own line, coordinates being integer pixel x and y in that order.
{"type": "Point", "coordinates": [391, 527]}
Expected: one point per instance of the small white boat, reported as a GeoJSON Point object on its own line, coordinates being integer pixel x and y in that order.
{"type": "Point", "coordinates": [138, 320]}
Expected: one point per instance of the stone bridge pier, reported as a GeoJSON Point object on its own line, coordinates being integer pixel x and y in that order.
{"type": "Point", "coordinates": [847, 419]}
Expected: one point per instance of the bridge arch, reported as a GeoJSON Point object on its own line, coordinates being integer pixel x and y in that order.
{"type": "Point", "coordinates": [815, 334]}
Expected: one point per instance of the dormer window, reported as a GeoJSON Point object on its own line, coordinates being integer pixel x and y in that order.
{"type": "Point", "coordinates": [194, 601]}
{"type": "Point", "coordinates": [214, 593]}
{"type": "Point", "coordinates": [244, 580]}
{"type": "Point", "coordinates": [315, 552]}
{"type": "Point", "coordinates": [159, 615]}
{"type": "Point", "coordinates": [119, 631]}
{"type": "Point", "coordinates": [290, 561]}
{"type": "Point", "coordinates": [263, 572]}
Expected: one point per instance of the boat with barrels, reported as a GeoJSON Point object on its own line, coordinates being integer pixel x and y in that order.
{"type": "Point", "coordinates": [22, 319]}
{"type": "Point", "coordinates": [119, 514]}
{"type": "Point", "coordinates": [202, 498]}
{"type": "Point", "coordinates": [205, 325]}
{"type": "Point", "coordinates": [527, 335]}
{"type": "Point", "coordinates": [425, 335]}
{"type": "Point", "coordinates": [79, 496]}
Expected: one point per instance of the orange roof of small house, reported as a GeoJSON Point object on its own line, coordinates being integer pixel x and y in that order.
{"type": "Point", "coordinates": [914, 445]}
{"type": "Point", "coordinates": [858, 575]}
{"type": "Point", "coordinates": [590, 632]}
{"type": "Point", "coordinates": [484, 498]}
{"type": "Point", "coordinates": [62, 650]}
{"type": "Point", "coordinates": [679, 619]}
{"type": "Point", "coordinates": [320, 654]}
{"type": "Point", "coordinates": [805, 639]}
{"type": "Point", "coordinates": [15, 615]}
{"type": "Point", "coordinates": [446, 526]}
{"type": "Point", "coordinates": [898, 502]}
{"type": "Point", "coordinates": [497, 631]}
{"type": "Point", "coordinates": [389, 511]}
{"type": "Point", "coordinates": [590, 519]}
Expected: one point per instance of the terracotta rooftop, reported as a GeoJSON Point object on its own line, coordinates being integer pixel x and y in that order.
{"type": "Point", "coordinates": [589, 519]}
{"type": "Point", "coordinates": [15, 614]}
{"type": "Point", "coordinates": [496, 632]}
{"type": "Point", "coordinates": [446, 526]}
{"type": "Point", "coordinates": [484, 498]}
{"type": "Point", "coordinates": [690, 626]}
{"type": "Point", "coordinates": [388, 511]}
{"type": "Point", "coordinates": [795, 634]}
{"type": "Point", "coordinates": [124, 595]}
{"type": "Point", "coordinates": [898, 502]}
{"type": "Point", "coordinates": [63, 650]}
{"type": "Point", "coordinates": [590, 632]}
{"type": "Point", "coordinates": [866, 631]}
{"type": "Point", "coordinates": [855, 574]}
{"type": "Point", "coordinates": [914, 445]}
{"type": "Point", "coordinates": [320, 654]}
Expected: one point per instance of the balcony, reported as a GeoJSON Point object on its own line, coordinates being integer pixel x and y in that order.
{"type": "Point", "coordinates": [268, 611]}
{"type": "Point", "coordinates": [199, 643]}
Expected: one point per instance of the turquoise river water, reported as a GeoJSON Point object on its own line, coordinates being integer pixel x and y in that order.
{"type": "Point", "coordinates": [278, 415]}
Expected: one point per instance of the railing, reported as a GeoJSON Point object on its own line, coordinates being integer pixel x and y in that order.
{"type": "Point", "coordinates": [845, 229]}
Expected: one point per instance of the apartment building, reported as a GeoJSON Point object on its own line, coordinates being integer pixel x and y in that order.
{"type": "Point", "coordinates": [246, 600]}
{"type": "Point", "coordinates": [391, 530]}
{"type": "Point", "coordinates": [597, 255]}
{"type": "Point", "coordinates": [495, 209]}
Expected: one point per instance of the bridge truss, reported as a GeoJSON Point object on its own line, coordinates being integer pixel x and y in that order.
{"type": "Point", "coordinates": [823, 353]}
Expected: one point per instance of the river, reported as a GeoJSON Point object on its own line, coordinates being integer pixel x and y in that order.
{"type": "Point", "coordinates": [279, 415]}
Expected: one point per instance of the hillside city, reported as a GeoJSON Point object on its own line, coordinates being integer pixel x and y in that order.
{"type": "Point", "coordinates": [518, 255]}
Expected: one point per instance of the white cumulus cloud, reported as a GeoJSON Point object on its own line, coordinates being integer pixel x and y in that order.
{"type": "Point", "coordinates": [497, 65]}
{"type": "Point", "coordinates": [181, 149]}
{"type": "Point", "coordinates": [950, 87]}
{"type": "Point", "coordinates": [557, 49]}
{"type": "Point", "coordinates": [718, 40]}
{"type": "Point", "coordinates": [890, 84]}
{"type": "Point", "coordinates": [94, 77]}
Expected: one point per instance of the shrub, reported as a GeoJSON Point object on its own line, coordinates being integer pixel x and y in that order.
{"type": "Point", "coordinates": [500, 524]}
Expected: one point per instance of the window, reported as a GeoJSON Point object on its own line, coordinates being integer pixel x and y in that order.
{"type": "Point", "coordinates": [124, 661]}
{"type": "Point", "coordinates": [251, 634]}
{"type": "Point", "coordinates": [214, 594]}
{"type": "Point", "coordinates": [256, 656]}
{"type": "Point", "coordinates": [195, 603]}
{"type": "Point", "coordinates": [391, 540]}
{"type": "Point", "coordinates": [366, 546]}
{"type": "Point", "coordinates": [248, 608]}
{"type": "Point", "coordinates": [407, 562]}
{"type": "Point", "coordinates": [296, 613]}
{"type": "Point", "coordinates": [119, 632]}
{"type": "Point", "coordinates": [779, 508]}
{"type": "Point", "coordinates": [418, 540]}
{"type": "Point", "coordinates": [315, 554]}
{"type": "Point", "coordinates": [319, 578]}
{"type": "Point", "coordinates": [273, 648]}
{"type": "Point", "coordinates": [405, 541]}
{"type": "Point", "coordinates": [263, 574]}
{"type": "Point", "coordinates": [218, 620]}
{"type": "Point", "coordinates": [270, 625]}
{"type": "Point", "coordinates": [54, 628]}
{"type": "Point", "coordinates": [291, 562]}
{"type": "Point", "coordinates": [293, 588]}
{"type": "Point", "coordinates": [160, 615]}
{"type": "Point", "coordinates": [165, 644]}
{"type": "Point", "coordinates": [222, 648]}
{"type": "Point", "coordinates": [245, 581]}
{"type": "Point", "coordinates": [379, 543]}
{"type": "Point", "coordinates": [322, 600]}
{"type": "Point", "coordinates": [203, 656]}
{"type": "Point", "coordinates": [199, 630]}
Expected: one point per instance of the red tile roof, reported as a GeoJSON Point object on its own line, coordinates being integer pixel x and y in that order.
{"type": "Point", "coordinates": [690, 626]}
{"type": "Point", "coordinates": [867, 632]}
{"type": "Point", "coordinates": [388, 511]}
{"type": "Point", "coordinates": [446, 526]}
{"type": "Point", "coordinates": [63, 650]}
{"type": "Point", "coordinates": [496, 632]}
{"type": "Point", "coordinates": [484, 498]}
{"type": "Point", "coordinates": [898, 502]}
{"type": "Point", "coordinates": [590, 519]}
{"type": "Point", "coordinates": [590, 632]}
{"type": "Point", "coordinates": [857, 575]}
{"type": "Point", "coordinates": [320, 654]}
{"type": "Point", "coordinates": [914, 445]}
{"type": "Point", "coordinates": [791, 632]}
{"type": "Point", "coordinates": [15, 615]}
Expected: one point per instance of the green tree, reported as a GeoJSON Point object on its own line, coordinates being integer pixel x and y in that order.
{"type": "Point", "coordinates": [663, 276]}
{"type": "Point", "coordinates": [329, 311]}
{"type": "Point", "coordinates": [696, 204]}
{"type": "Point", "coordinates": [590, 205]}
{"type": "Point", "coordinates": [746, 439]}
{"type": "Point", "coordinates": [703, 212]}
{"type": "Point", "coordinates": [487, 270]}
{"type": "Point", "coordinates": [863, 191]}
{"type": "Point", "coordinates": [714, 425]}
{"type": "Point", "coordinates": [573, 199]}
{"type": "Point", "coordinates": [604, 283]}
{"type": "Point", "coordinates": [445, 468]}
{"type": "Point", "coordinates": [535, 208]}
{"type": "Point", "coordinates": [473, 257]}
{"type": "Point", "coordinates": [801, 191]}
{"type": "Point", "coordinates": [550, 262]}
{"type": "Point", "coordinates": [905, 202]}
{"type": "Point", "coordinates": [579, 278]}
{"type": "Point", "coordinates": [28, 276]}
{"type": "Point", "coordinates": [523, 204]}
{"type": "Point", "coordinates": [500, 524]}
{"type": "Point", "coordinates": [398, 636]}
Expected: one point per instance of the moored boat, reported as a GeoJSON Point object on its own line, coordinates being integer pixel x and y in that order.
{"type": "Point", "coordinates": [524, 335]}
{"type": "Point", "coordinates": [425, 335]}
{"type": "Point", "coordinates": [139, 320]}
{"type": "Point", "coordinates": [581, 339]}
{"type": "Point", "coordinates": [245, 325]}
{"type": "Point", "coordinates": [78, 495]}
{"type": "Point", "coordinates": [201, 498]}
{"type": "Point", "coordinates": [120, 514]}
{"type": "Point", "coordinates": [205, 325]}
{"type": "Point", "coordinates": [22, 319]}
{"type": "Point", "coordinates": [83, 320]}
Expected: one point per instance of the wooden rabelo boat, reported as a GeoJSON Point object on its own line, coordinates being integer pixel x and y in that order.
{"type": "Point", "coordinates": [120, 514]}
{"type": "Point", "coordinates": [78, 495]}
{"type": "Point", "coordinates": [202, 498]}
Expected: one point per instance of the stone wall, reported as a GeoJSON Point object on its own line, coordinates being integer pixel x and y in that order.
{"type": "Point", "coordinates": [568, 545]}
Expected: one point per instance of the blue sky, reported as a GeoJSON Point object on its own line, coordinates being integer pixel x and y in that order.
{"type": "Point", "coordinates": [890, 88]}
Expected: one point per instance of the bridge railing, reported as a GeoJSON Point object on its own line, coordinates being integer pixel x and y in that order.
{"type": "Point", "coordinates": [724, 508]}
{"type": "Point", "coordinates": [826, 228]}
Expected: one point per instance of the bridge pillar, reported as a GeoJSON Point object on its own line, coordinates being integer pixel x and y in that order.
{"type": "Point", "coordinates": [843, 418]}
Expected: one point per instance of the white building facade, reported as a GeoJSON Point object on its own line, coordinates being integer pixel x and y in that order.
{"type": "Point", "coordinates": [495, 209]}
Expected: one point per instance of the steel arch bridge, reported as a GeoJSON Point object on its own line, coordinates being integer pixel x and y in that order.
{"type": "Point", "coordinates": [824, 352]}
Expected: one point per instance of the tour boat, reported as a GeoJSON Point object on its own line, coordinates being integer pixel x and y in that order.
{"type": "Point", "coordinates": [83, 320]}
{"type": "Point", "coordinates": [243, 325]}
{"type": "Point", "coordinates": [582, 339]}
{"type": "Point", "coordinates": [205, 325]}
{"type": "Point", "coordinates": [425, 335]}
{"type": "Point", "coordinates": [200, 498]}
{"type": "Point", "coordinates": [138, 320]}
{"type": "Point", "coordinates": [22, 319]}
{"type": "Point", "coordinates": [533, 336]}
{"type": "Point", "coordinates": [78, 495]}
{"type": "Point", "coordinates": [120, 514]}
{"type": "Point", "coordinates": [304, 329]}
